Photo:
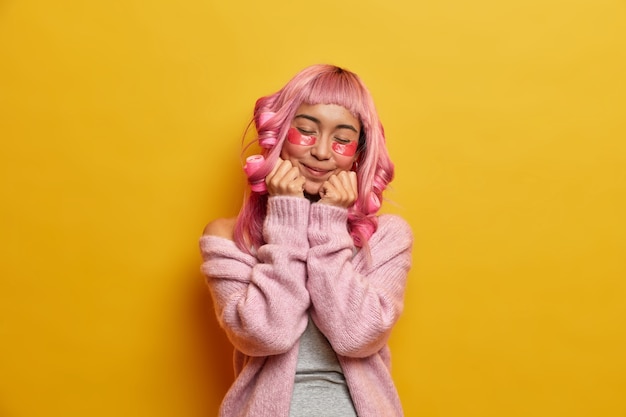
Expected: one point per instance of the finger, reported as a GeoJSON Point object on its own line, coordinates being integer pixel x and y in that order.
{"type": "Point", "coordinates": [275, 167]}
{"type": "Point", "coordinates": [345, 185]}
{"type": "Point", "coordinates": [340, 190]}
{"type": "Point", "coordinates": [345, 182]}
{"type": "Point", "coordinates": [297, 186]}
{"type": "Point", "coordinates": [286, 181]}
{"type": "Point", "coordinates": [352, 186]}
{"type": "Point", "coordinates": [282, 168]}
{"type": "Point", "coordinates": [353, 182]}
{"type": "Point", "coordinates": [333, 193]}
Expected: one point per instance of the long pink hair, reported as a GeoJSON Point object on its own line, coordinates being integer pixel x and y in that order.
{"type": "Point", "coordinates": [320, 84]}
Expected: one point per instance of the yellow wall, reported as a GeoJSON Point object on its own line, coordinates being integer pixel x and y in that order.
{"type": "Point", "coordinates": [121, 122]}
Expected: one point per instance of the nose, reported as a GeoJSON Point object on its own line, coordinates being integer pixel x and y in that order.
{"type": "Point", "coordinates": [321, 149]}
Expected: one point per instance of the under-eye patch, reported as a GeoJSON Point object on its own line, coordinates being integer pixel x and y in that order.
{"type": "Point", "coordinates": [295, 137]}
{"type": "Point", "coordinates": [345, 149]}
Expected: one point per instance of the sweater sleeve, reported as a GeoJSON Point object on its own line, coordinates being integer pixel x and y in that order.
{"type": "Point", "coordinates": [261, 301]}
{"type": "Point", "coordinates": [356, 301]}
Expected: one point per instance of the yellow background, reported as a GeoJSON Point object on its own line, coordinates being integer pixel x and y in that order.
{"type": "Point", "coordinates": [121, 126]}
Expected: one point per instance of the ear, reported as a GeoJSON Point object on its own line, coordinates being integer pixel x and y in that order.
{"type": "Point", "coordinates": [357, 161]}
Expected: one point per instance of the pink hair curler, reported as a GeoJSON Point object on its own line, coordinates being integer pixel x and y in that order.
{"type": "Point", "coordinates": [267, 137]}
{"type": "Point", "coordinates": [265, 116]}
{"type": "Point", "coordinates": [253, 163]}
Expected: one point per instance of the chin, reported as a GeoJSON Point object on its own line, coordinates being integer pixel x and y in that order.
{"type": "Point", "coordinates": [312, 187]}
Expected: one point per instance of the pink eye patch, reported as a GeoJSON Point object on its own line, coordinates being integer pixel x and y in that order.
{"type": "Point", "coordinates": [345, 149]}
{"type": "Point", "coordinates": [295, 137]}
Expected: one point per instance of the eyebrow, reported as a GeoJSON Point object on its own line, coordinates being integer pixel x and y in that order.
{"type": "Point", "coordinates": [316, 120]}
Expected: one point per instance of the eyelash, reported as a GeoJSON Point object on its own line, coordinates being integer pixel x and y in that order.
{"type": "Point", "coordinates": [306, 132]}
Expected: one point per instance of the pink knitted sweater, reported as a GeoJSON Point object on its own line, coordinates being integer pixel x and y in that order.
{"type": "Point", "coordinates": [307, 267]}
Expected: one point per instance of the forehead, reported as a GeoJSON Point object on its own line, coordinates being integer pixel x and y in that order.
{"type": "Point", "coordinates": [331, 115]}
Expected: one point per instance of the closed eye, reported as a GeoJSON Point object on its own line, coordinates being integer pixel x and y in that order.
{"type": "Point", "coordinates": [343, 141]}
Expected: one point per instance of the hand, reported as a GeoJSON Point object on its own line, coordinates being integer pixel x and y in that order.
{"type": "Point", "coordinates": [285, 179]}
{"type": "Point", "coordinates": [340, 190]}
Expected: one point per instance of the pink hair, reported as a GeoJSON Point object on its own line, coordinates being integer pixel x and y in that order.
{"type": "Point", "coordinates": [320, 84]}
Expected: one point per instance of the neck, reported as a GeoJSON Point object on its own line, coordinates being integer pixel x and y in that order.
{"type": "Point", "coordinates": [313, 198]}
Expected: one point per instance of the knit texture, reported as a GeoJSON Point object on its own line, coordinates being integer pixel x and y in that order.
{"type": "Point", "coordinates": [307, 267]}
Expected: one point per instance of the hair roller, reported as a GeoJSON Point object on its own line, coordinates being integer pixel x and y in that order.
{"type": "Point", "coordinates": [253, 164]}
{"type": "Point", "coordinates": [264, 117]}
{"type": "Point", "coordinates": [267, 141]}
{"type": "Point", "coordinates": [267, 136]}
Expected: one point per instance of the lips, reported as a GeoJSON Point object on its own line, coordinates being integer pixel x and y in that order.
{"type": "Point", "coordinates": [316, 172]}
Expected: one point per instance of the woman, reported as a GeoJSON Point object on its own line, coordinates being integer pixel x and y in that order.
{"type": "Point", "coordinates": [308, 281]}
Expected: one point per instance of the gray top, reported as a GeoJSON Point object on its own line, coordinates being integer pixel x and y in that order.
{"type": "Point", "coordinates": [320, 388]}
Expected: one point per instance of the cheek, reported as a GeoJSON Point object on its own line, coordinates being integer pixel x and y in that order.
{"type": "Point", "coordinates": [291, 151]}
{"type": "Point", "coordinates": [345, 163]}
{"type": "Point", "coordinates": [297, 138]}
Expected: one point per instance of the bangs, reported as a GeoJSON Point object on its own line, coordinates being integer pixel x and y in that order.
{"type": "Point", "coordinates": [340, 88]}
